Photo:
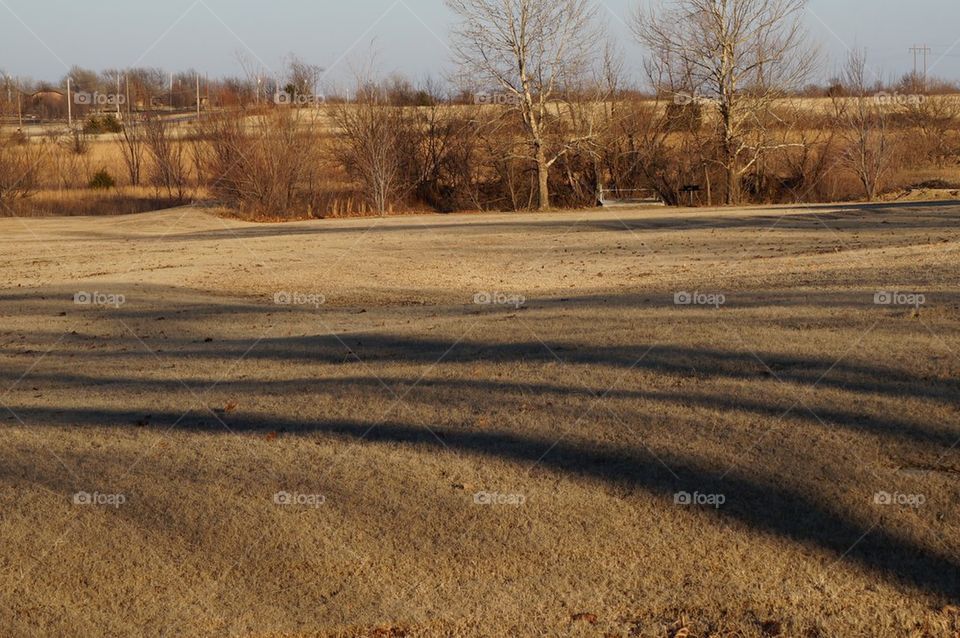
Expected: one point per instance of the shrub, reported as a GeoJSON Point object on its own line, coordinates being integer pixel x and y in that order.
{"type": "Point", "coordinates": [20, 168]}
{"type": "Point", "coordinates": [97, 125]}
{"type": "Point", "coordinates": [102, 180]}
{"type": "Point", "coordinates": [268, 166]}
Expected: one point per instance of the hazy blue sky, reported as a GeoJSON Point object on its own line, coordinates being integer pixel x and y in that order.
{"type": "Point", "coordinates": [39, 37]}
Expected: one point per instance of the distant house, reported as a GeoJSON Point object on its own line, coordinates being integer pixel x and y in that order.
{"type": "Point", "coordinates": [48, 103]}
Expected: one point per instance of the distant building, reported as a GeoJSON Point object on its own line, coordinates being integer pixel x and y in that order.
{"type": "Point", "coordinates": [48, 104]}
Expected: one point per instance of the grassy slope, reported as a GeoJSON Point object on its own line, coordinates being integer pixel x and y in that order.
{"type": "Point", "coordinates": [399, 399]}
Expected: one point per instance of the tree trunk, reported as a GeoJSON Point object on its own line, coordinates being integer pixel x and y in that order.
{"type": "Point", "coordinates": [730, 159]}
{"type": "Point", "coordinates": [543, 177]}
{"type": "Point", "coordinates": [706, 178]}
{"type": "Point", "coordinates": [733, 185]}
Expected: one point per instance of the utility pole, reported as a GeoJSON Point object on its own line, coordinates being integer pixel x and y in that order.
{"type": "Point", "coordinates": [198, 97]}
{"type": "Point", "coordinates": [917, 51]}
{"type": "Point", "coordinates": [69, 105]}
{"type": "Point", "coordinates": [117, 97]}
{"type": "Point", "coordinates": [20, 105]}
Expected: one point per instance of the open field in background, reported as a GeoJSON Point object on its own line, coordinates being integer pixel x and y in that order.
{"type": "Point", "coordinates": [388, 405]}
{"type": "Point", "coordinates": [789, 175]}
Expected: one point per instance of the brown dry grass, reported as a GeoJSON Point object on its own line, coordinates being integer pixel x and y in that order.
{"type": "Point", "coordinates": [77, 202]}
{"type": "Point", "coordinates": [399, 400]}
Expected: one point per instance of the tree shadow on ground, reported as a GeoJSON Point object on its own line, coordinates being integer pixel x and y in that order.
{"type": "Point", "coordinates": [371, 348]}
{"type": "Point", "coordinates": [888, 427]}
{"type": "Point", "coordinates": [860, 217]}
{"type": "Point", "coordinates": [766, 506]}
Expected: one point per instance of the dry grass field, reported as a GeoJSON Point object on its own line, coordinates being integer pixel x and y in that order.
{"type": "Point", "coordinates": [216, 428]}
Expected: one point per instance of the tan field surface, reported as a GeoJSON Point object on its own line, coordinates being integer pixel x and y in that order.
{"type": "Point", "coordinates": [483, 425]}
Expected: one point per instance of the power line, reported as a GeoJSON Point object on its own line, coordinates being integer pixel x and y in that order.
{"type": "Point", "coordinates": [925, 51]}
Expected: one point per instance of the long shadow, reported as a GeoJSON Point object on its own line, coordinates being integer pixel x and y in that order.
{"type": "Point", "coordinates": [672, 359]}
{"type": "Point", "coordinates": [875, 206]}
{"type": "Point", "coordinates": [888, 427]}
{"type": "Point", "coordinates": [859, 217]}
{"type": "Point", "coordinates": [768, 507]}
{"type": "Point", "coordinates": [153, 301]}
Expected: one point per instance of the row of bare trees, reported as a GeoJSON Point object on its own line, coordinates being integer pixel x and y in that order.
{"type": "Point", "coordinates": [739, 57]}
{"type": "Point", "coordinates": [153, 153]}
{"type": "Point", "coordinates": [551, 123]}
{"type": "Point", "coordinates": [729, 70]}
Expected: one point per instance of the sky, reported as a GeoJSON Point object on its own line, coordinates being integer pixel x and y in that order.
{"type": "Point", "coordinates": [42, 38]}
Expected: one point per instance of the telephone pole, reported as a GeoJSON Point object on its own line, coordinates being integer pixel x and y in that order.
{"type": "Point", "coordinates": [917, 51]}
{"type": "Point", "coordinates": [69, 105]}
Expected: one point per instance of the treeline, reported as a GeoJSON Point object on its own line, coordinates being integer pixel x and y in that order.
{"type": "Point", "coordinates": [727, 116]}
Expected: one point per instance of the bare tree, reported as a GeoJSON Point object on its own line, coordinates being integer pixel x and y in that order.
{"type": "Point", "coordinates": [934, 119]}
{"type": "Point", "coordinates": [169, 158]}
{"type": "Point", "coordinates": [369, 145]}
{"type": "Point", "coordinates": [20, 165]}
{"type": "Point", "coordinates": [148, 87]}
{"type": "Point", "coordinates": [661, 144]}
{"type": "Point", "coordinates": [739, 56]}
{"type": "Point", "coordinates": [806, 166]}
{"type": "Point", "coordinates": [131, 142]}
{"type": "Point", "coordinates": [530, 50]}
{"type": "Point", "coordinates": [267, 165]}
{"type": "Point", "coordinates": [865, 127]}
{"type": "Point", "coordinates": [302, 81]}
{"type": "Point", "coordinates": [256, 77]}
